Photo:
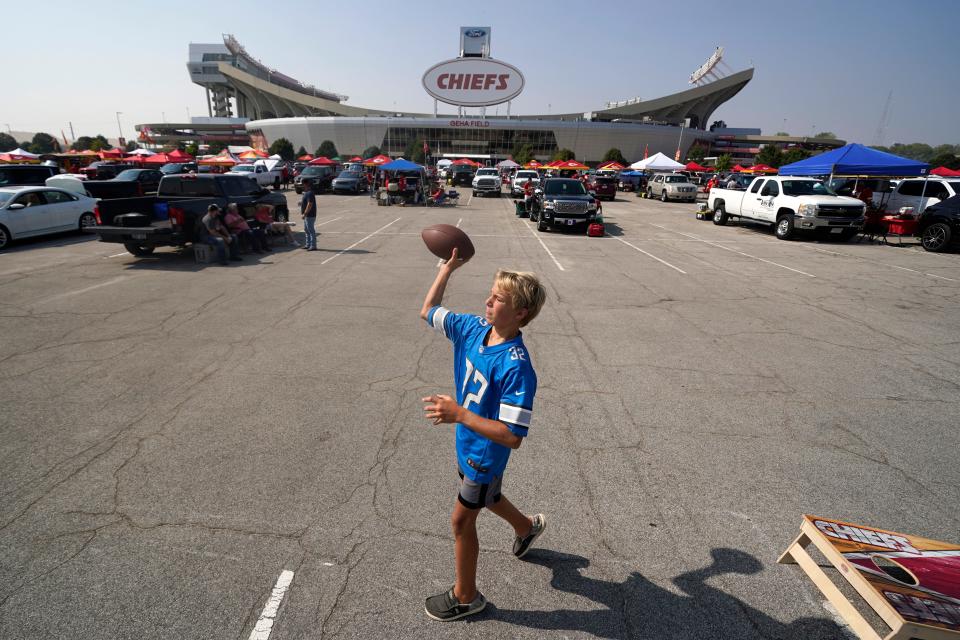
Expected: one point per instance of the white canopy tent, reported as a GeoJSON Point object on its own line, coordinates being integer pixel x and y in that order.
{"type": "Point", "coordinates": [23, 153]}
{"type": "Point", "coordinates": [507, 164]}
{"type": "Point", "coordinates": [141, 152]}
{"type": "Point", "coordinates": [657, 162]}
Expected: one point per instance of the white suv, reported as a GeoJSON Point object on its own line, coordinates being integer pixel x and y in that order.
{"type": "Point", "coordinates": [907, 193]}
{"type": "Point", "coordinates": [520, 178]}
{"type": "Point", "coordinates": [486, 180]}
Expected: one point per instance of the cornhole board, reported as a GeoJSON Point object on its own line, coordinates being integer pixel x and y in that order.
{"type": "Point", "coordinates": [912, 583]}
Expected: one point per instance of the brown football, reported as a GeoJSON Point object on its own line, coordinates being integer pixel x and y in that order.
{"type": "Point", "coordinates": [441, 239]}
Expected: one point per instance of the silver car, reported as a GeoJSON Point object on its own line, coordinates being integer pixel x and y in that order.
{"type": "Point", "coordinates": [671, 186]}
{"type": "Point", "coordinates": [36, 211]}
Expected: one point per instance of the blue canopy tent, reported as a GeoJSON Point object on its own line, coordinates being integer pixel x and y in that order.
{"type": "Point", "coordinates": [856, 160]}
{"type": "Point", "coordinates": [401, 165]}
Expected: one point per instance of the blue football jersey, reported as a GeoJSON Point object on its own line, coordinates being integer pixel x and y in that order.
{"type": "Point", "coordinates": [496, 382]}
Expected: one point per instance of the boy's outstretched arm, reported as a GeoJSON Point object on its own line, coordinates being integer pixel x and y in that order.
{"type": "Point", "coordinates": [442, 408]}
{"type": "Point", "coordinates": [435, 295]}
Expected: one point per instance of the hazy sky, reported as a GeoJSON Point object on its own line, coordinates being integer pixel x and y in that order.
{"type": "Point", "coordinates": [819, 65]}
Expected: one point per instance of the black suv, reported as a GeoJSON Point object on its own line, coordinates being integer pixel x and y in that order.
{"type": "Point", "coordinates": [15, 175]}
{"type": "Point", "coordinates": [564, 203]}
{"type": "Point", "coordinates": [462, 174]}
{"type": "Point", "coordinates": [939, 225]}
{"type": "Point", "coordinates": [320, 176]}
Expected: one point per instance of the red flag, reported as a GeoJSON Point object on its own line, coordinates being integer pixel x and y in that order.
{"type": "Point", "coordinates": [644, 152]}
{"type": "Point", "coordinates": [426, 148]}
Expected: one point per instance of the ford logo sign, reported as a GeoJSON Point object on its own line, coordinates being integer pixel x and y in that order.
{"type": "Point", "coordinates": [475, 33]}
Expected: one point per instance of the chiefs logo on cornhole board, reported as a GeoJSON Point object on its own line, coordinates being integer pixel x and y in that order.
{"type": "Point", "coordinates": [912, 583]}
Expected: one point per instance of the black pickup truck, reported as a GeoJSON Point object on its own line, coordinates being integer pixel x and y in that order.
{"type": "Point", "coordinates": [563, 203]}
{"type": "Point", "coordinates": [172, 217]}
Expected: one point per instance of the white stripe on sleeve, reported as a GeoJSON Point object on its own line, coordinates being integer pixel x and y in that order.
{"type": "Point", "coordinates": [438, 317]}
{"type": "Point", "coordinates": [515, 415]}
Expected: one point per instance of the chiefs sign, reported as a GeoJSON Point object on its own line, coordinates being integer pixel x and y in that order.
{"type": "Point", "coordinates": [473, 82]}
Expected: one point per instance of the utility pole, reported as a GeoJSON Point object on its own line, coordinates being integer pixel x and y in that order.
{"type": "Point", "coordinates": [119, 128]}
{"type": "Point", "coordinates": [72, 135]}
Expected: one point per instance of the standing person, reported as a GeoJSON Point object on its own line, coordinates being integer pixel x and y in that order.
{"type": "Point", "coordinates": [308, 211]}
{"type": "Point", "coordinates": [528, 195]}
{"type": "Point", "coordinates": [495, 383]}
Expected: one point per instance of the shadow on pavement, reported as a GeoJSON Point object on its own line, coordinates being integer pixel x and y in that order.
{"type": "Point", "coordinates": [637, 608]}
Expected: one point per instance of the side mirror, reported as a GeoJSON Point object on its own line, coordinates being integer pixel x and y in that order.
{"type": "Point", "coordinates": [593, 193]}
{"type": "Point", "coordinates": [16, 206]}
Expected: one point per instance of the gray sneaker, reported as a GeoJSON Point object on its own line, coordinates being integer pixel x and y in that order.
{"type": "Point", "coordinates": [445, 606]}
{"type": "Point", "coordinates": [522, 545]}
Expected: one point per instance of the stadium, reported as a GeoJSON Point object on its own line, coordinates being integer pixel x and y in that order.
{"type": "Point", "coordinates": [273, 105]}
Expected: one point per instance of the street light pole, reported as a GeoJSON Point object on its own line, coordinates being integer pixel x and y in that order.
{"type": "Point", "coordinates": [119, 128]}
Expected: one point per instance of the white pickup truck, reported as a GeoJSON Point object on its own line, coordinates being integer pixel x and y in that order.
{"type": "Point", "coordinates": [266, 175]}
{"type": "Point", "coordinates": [520, 178]}
{"type": "Point", "coordinates": [792, 205]}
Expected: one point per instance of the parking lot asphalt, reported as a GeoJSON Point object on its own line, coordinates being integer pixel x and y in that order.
{"type": "Point", "coordinates": [175, 437]}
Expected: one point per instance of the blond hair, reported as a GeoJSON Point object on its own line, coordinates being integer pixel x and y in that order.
{"type": "Point", "coordinates": [525, 292]}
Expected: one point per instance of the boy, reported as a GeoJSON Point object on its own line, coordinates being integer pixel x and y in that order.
{"type": "Point", "coordinates": [495, 384]}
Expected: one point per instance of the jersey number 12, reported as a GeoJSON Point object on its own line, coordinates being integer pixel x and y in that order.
{"type": "Point", "coordinates": [477, 377]}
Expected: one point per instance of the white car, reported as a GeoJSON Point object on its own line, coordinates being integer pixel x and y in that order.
{"type": "Point", "coordinates": [486, 180]}
{"type": "Point", "coordinates": [36, 211]}
{"type": "Point", "coordinates": [907, 193]}
{"type": "Point", "coordinates": [259, 171]}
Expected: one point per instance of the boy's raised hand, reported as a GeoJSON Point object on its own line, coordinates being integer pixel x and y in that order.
{"type": "Point", "coordinates": [441, 408]}
{"type": "Point", "coordinates": [454, 262]}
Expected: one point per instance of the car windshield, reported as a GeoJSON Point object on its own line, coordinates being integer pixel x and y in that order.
{"type": "Point", "coordinates": [806, 188]}
{"type": "Point", "coordinates": [129, 174]}
{"type": "Point", "coordinates": [311, 171]}
{"type": "Point", "coordinates": [172, 167]}
{"type": "Point", "coordinates": [487, 172]}
{"type": "Point", "coordinates": [351, 175]}
{"type": "Point", "coordinates": [565, 188]}
{"type": "Point", "coordinates": [523, 175]}
{"type": "Point", "coordinates": [243, 168]}
{"type": "Point", "coordinates": [606, 180]}
{"type": "Point", "coordinates": [676, 179]}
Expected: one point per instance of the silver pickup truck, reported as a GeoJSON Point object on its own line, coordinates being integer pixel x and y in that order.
{"type": "Point", "coordinates": [793, 205]}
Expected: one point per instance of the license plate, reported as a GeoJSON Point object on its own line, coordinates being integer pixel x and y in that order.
{"type": "Point", "coordinates": [835, 230]}
{"type": "Point", "coordinates": [570, 222]}
{"type": "Point", "coordinates": [138, 236]}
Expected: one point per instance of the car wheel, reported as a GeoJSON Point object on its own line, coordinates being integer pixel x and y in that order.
{"type": "Point", "coordinates": [663, 196]}
{"type": "Point", "coordinates": [4, 238]}
{"type": "Point", "coordinates": [936, 237]}
{"type": "Point", "coordinates": [720, 215]}
{"type": "Point", "coordinates": [298, 190]}
{"type": "Point", "coordinates": [138, 249]}
{"type": "Point", "coordinates": [276, 184]}
{"type": "Point", "coordinates": [541, 224]}
{"type": "Point", "coordinates": [785, 229]}
{"type": "Point", "coordinates": [87, 221]}
{"type": "Point", "coordinates": [650, 193]}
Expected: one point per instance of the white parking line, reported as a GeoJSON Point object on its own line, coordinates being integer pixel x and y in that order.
{"type": "Point", "coordinates": [545, 247]}
{"type": "Point", "coordinates": [358, 242]}
{"type": "Point", "coordinates": [776, 264]}
{"type": "Point", "coordinates": [117, 255]}
{"type": "Point", "coordinates": [85, 290]}
{"type": "Point", "coordinates": [884, 264]}
{"type": "Point", "coordinates": [648, 254]}
{"type": "Point", "coordinates": [261, 630]}
{"type": "Point", "coordinates": [441, 260]}
{"type": "Point", "coordinates": [328, 221]}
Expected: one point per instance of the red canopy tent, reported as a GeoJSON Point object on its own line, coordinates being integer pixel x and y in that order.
{"type": "Point", "coordinates": [737, 168]}
{"type": "Point", "coordinates": [533, 164]}
{"type": "Point", "coordinates": [612, 165]}
{"type": "Point", "coordinates": [222, 159]}
{"type": "Point", "coordinates": [377, 160]}
{"type": "Point", "coordinates": [305, 158]}
{"type": "Point", "coordinates": [111, 154]}
{"type": "Point", "coordinates": [570, 165]}
{"type": "Point", "coordinates": [180, 156]}
{"type": "Point", "coordinates": [761, 168]}
{"type": "Point", "coordinates": [355, 159]}
{"type": "Point", "coordinates": [15, 158]}
{"type": "Point", "coordinates": [157, 158]}
{"type": "Point", "coordinates": [693, 166]}
{"type": "Point", "coordinates": [945, 172]}
{"type": "Point", "coordinates": [323, 160]}
{"type": "Point", "coordinates": [466, 161]}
